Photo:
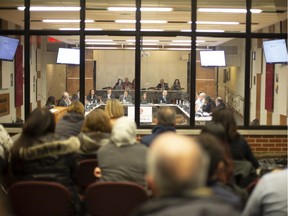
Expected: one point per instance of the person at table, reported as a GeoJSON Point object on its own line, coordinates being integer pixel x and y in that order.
{"type": "Point", "coordinates": [144, 99]}
{"type": "Point", "coordinates": [127, 85]}
{"type": "Point", "coordinates": [219, 103]}
{"type": "Point", "coordinates": [176, 85]}
{"type": "Point", "coordinates": [208, 105]}
{"type": "Point", "coordinates": [125, 98]}
{"type": "Point", "coordinates": [118, 85]}
{"type": "Point", "coordinates": [199, 102]}
{"type": "Point", "coordinates": [65, 100]}
{"type": "Point", "coordinates": [164, 98]}
{"type": "Point", "coordinates": [108, 96]}
{"type": "Point", "coordinates": [92, 97]}
{"type": "Point", "coordinates": [162, 85]}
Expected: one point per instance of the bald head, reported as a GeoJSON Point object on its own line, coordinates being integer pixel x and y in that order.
{"type": "Point", "coordinates": [175, 164]}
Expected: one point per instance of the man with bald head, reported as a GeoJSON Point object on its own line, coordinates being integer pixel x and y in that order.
{"type": "Point", "coordinates": [176, 173]}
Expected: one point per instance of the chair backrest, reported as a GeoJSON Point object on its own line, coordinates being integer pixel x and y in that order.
{"type": "Point", "coordinates": [43, 198]}
{"type": "Point", "coordinates": [85, 173]}
{"type": "Point", "coordinates": [113, 198]}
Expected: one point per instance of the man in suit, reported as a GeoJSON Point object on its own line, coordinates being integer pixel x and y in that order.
{"type": "Point", "coordinates": [125, 98]}
{"type": "Point", "coordinates": [107, 96]}
{"type": "Point", "coordinates": [162, 85]}
{"type": "Point", "coordinates": [65, 100]}
{"type": "Point", "coordinates": [164, 98]}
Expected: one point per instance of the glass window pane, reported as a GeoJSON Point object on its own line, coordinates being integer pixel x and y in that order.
{"type": "Point", "coordinates": [55, 15]}
{"type": "Point", "coordinates": [223, 16]}
{"type": "Point", "coordinates": [10, 16]}
{"type": "Point", "coordinates": [221, 83]}
{"type": "Point", "coordinates": [117, 15]}
{"type": "Point", "coordinates": [165, 77]}
{"type": "Point", "coordinates": [11, 78]}
{"type": "Point", "coordinates": [268, 105]}
{"type": "Point", "coordinates": [167, 16]}
{"type": "Point", "coordinates": [271, 16]}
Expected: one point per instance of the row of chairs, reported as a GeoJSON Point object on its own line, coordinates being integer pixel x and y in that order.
{"type": "Point", "coordinates": [34, 198]}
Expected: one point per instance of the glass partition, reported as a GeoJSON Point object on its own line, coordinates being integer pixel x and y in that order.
{"type": "Point", "coordinates": [11, 16]}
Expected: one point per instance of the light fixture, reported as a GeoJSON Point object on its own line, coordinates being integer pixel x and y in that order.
{"type": "Point", "coordinates": [142, 30]}
{"type": "Point", "coordinates": [187, 41]}
{"type": "Point", "coordinates": [189, 30]}
{"type": "Point", "coordinates": [146, 9]}
{"type": "Point", "coordinates": [215, 23]}
{"type": "Point", "coordinates": [77, 29]}
{"type": "Point", "coordinates": [133, 40]}
{"type": "Point", "coordinates": [179, 44]}
{"type": "Point", "coordinates": [100, 43]}
{"type": "Point", "coordinates": [142, 21]}
{"type": "Point", "coordinates": [50, 8]}
{"type": "Point", "coordinates": [98, 40]}
{"type": "Point", "coordinates": [227, 10]}
{"type": "Point", "coordinates": [65, 21]}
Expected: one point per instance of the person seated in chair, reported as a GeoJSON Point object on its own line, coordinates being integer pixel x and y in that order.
{"type": "Point", "coordinates": [162, 85]}
{"type": "Point", "coordinates": [144, 99]}
{"type": "Point", "coordinates": [164, 98]}
{"type": "Point", "coordinates": [125, 98]}
{"type": "Point", "coordinates": [176, 85]}
{"type": "Point", "coordinates": [108, 96]}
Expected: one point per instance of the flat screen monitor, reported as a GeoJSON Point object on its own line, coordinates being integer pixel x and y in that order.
{"type": "Point", "coordinates": [68, 56]}
{"type": "Point", "coordinates": [8, 47]}
{"type": "Point", "coordinates": [212, 58]}
{"type": "Point", "coordinates": [275, 51]}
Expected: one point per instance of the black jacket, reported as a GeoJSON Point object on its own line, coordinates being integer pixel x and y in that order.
{"type": "Point", "coordinates": [159, 129]}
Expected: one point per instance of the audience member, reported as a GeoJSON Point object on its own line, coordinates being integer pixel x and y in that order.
{"type": "Point", "coordinates": [92, 97]}
{"type": "Point", "coordinates": [125, 98]}
{"type": "Point", "coordinates": [127, 85]}
{"type": "Point", "coordinates": [176, 173]}
{"type": "Point", "coordinates": [219, 172]}
{"type": "Point", "coordinates": [32, 158]}
{"type": "Point", "coordinates": [72, 121]}
{"type": "Point", "coordinates": [50, 103]}
{"type": "Point", "coordinates": [166, 121]}
{"type": "Point", "coordinates": [219, 103]}
{"type": "Point", "coordinates": [162, 85]}
{"type": "Point", "coordinates": [5, 145]}
{"type": "Point", "coordinates": [199, 102]}
{"type": "Point", "coordinates": [108, 96]}
{"type": "Point", "coordinates": [208, 105]}
{"type": "Point", "coordinates": [144, 99]}
{"type": "Point", "coordinates": [176, 85]}
{"type": "Point", "coordinates": [95, 133]}
{"type": "Point", "coordinates": [123, 159]}
{"type": "Point", "coordinates": [118, 85]}
{"type": "Point", "coordinates": [114, 109]}
{"type": "Point", "coordinates": [65, 100]}
{"type": "Point", "coordinates": [238, 146]}
{"type": "Point", "coordinates": [269, 197]}
{"type": "Point", "coordinates": [74, 98]}
{"type": "Point", "coordinates": [164, 98]}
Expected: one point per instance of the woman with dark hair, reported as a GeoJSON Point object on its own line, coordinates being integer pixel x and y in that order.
{"type": "Point", "coordinates": [238, 146]}
{"type": "Point", "coordinates": [40, 154]}
{"type": "Point", "coordinates": [176, 85]}
{"type": "Point", "coordinates": [51, 102]}
{"type": "Point", "coordinates": [92, 97]}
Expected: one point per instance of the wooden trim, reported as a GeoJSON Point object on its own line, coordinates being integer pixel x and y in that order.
{"type": "Point", "coordinates": [4, 104]}
{"type": "Point", "coordinates": [269, 117]}
{"type": "Point", "coordinates": [283, 120]}
{"type": "Point", "coordinates": [258, 96]}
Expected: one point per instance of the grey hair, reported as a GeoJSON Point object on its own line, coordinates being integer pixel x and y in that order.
{"type": "Point", "coordinates": [164, 176]}
{"type": "Point", "coordinates": [166, 116]}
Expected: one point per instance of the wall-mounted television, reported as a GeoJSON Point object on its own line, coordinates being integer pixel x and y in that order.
{"type": "Point", "coordinates": [68, 56]}
{"type": "Point", "coordinates": [212, 58]}
{"type": "Point", "coordinates": [275, 51]}
{"type": "Point", "coordinates": [8, 47]}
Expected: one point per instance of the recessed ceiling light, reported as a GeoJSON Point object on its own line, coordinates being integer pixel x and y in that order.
{"type": "Point", "coordinates": [187, 41]}
{"type": "Point", "coordinates": [146, 9]}
{"type": "Point", "coordinates": [228, 10]}
{"type": "Point", "coordinates": [215, 23]}
{"type": "Point", "coordinates": [98, 40]}
{"type": "Point", "coordinates": [77, 29]}
{"type": "Point", "coordinates": [188, 30]}
{"type": "Point", "coordinates": [142, 30]}
{"type": "Point", "coordinates": [65, 21]}
{"type": "Point", "coordinates": [50, 8]}
{"type": "Point", "coordinates": [142, 21]}
{"type": "Point", "coordinates": [100, 43]}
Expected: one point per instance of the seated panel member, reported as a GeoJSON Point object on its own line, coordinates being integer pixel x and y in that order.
{"type": "Point", "coordinates": [162, 85]}
{"type": "Point", "coordinates": [107, 96]}
{"type": "Point", "coordinates": [144, 99]}
{"type": "Point", "coordinates": [176, 85]}
{"type": "Point", "coordinates": [92, 97]}
{"type": "Point", "coordinates": [125, 98]}
{"type": "Point", "coordinates": [164, 98]}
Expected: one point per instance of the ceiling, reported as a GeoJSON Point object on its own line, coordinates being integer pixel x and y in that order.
{"type": "Point", "coordinates": [273, 11]}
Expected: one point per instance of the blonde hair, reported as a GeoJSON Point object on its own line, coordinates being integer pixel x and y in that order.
{"type": "Point", "coordinates": [76, 106]}
{"type": "Point", "coordinates": [114, 109]}
{"type": "Point", "coordinates": [97, 120]}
